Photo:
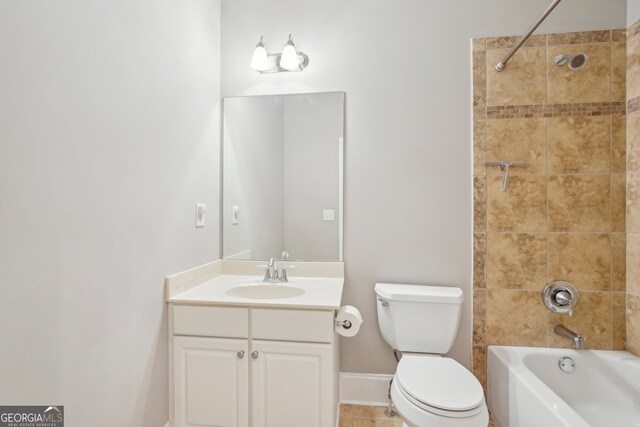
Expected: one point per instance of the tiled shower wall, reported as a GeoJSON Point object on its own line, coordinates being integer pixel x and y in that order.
{"type": "Point", "coordinates": [563, 216]}
{"type": "Point", "coordinates": [633, 189]}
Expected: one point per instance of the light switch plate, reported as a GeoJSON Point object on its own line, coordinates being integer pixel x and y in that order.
{"type": "Point", "coordinates": [328, 214]}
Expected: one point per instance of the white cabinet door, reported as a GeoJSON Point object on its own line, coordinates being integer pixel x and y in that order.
{"type": "Point", "coordinates": [211, 382]}
{"type": "Point", "coordinates": [291, 384]}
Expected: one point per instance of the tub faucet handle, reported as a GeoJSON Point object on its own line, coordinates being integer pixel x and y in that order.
{"type": "Point", "coordinates": [563, 298]}
{"type": "Point", "coordinates": [560, 296]}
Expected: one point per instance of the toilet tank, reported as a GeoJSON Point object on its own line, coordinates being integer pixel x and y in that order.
{"type": "Point", "coordinates": [419, 319]}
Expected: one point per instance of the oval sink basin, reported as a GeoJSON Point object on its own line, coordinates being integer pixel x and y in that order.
{"type": "Point", "coordinates": [265, 291]}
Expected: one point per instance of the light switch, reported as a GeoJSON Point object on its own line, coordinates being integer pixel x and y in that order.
{"type": "Point", "coordinates": [327, 214]}
{"type": "Point", "coordinates": [235, 215]}
{"type": "Point", "coordinates": [201, 210]}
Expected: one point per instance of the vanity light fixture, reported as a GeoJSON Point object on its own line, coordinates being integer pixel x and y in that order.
{"type": "Point", "coordinates": [260, 58]}
{"type": "Point", "coordinates": [289, 60]}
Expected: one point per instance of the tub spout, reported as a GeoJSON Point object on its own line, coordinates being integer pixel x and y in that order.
{"type": "Point", "coordinates": [564, 332]}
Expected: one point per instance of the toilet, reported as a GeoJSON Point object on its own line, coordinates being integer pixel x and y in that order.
{"type": "Point", "coordinates": [428, 389]}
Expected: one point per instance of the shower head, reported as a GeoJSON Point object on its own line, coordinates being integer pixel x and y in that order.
{"type": "Point", "coordinates": [575, 61]}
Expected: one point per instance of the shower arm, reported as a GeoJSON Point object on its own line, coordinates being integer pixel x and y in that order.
{"type": "Point", "coordinates": [505, 166]}
{"type": "Point", "coordinates": [501, 65]}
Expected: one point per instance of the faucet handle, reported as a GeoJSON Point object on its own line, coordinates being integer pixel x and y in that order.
{"type": "Point", "coordinates": [283, 276]}
{"type": "Point", "coordinates": [285, 255]}
{"type": "Point", "coordinates": [267, 272]}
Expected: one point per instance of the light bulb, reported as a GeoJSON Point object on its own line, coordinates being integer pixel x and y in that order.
{"type": "Point", "coordinates": [289, 58]}
{"type": "Point", "coordinates": [260, 59]}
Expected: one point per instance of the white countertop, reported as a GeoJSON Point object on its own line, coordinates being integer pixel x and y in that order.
{"type": "Point", "coordinates": [320, 293]}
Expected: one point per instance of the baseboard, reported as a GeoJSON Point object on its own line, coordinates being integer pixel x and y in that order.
{"type": "Point", "coordinates": [364, 389]}
{"type": "Point", "coordinates": [168, 424]}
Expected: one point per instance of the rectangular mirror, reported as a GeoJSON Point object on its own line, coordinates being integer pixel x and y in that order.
{"type": "Point", "coordinates": [283, 176]}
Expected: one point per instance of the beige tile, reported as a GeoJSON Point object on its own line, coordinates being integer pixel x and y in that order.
{"type": "Point", "coordinates": [633, 67]}
{"type": "Point", "coordinates": [366, 422]}
{"type": "Point", "coordinates": [633, 141]}
{"type": "Point", "coordinates": [479, 365]}
{"type": "Point", "coordinates": [345, 422]}
{"type": "Point", "coordinates": [633, 202]}
{"type": "Point", "coordinates": [618, 143]}
{"type": "Point", "coordinates": [480, 44]}
{"type": "Point", "coordinates": [518, 140]}
{"type": "Point", "coordinates": [480, 204]}
{"type": "Point", "coordinates": [591, 319]}
{"type": "Point", "coordinates": [633, 263]}
{"type": "Point", "coordinates": [346, 410]}
{"type": "Point", "coordinates": [583, 259]}
{"type": "Point", "coordinates": [480, 147]}
{"type": "Point", "coordinates": [633, 324]}
{"type": "Point", "coordinates": [579, 203]}
{"type": "Point", "coordinates": [479, 260]}
{"type": "Point", "coordinates": [479, 316]}
{"type": "Point", "coordinates": [618, 320]}
{"type": "Point", "coordinates": [509, 41]}
{"type": "Point", "coordinates": [618, 202]}
{"type": "Point", "coordinates": [522, 82]}
{"type": "Point", "coordinates": [618, 262]}
{"type": "Point", "coordinates": [619, 35]}
{"type": "Point", "coordinates": [521, 208]}
{"type": "Point", "coordinates": [516, 261]}
{"type": "Point", "coordinates": [579, 145]}
{"type": "Point", "coordinates": [360, 411]}
{"type": "Point", "coordinates": [479, 113]}
{"type": "Point", "coordinates": [515, 318]}
{"type": "Point", "coordinates": [633, 29]}
{"type": "Point", "coordinates": [618, 71]}
{"type": "Point", "coordinates": [480, 79]}
{"type": "Point", "coordinates": [592, 83]}
{"type": "Point", "coordinates": [582, 37]}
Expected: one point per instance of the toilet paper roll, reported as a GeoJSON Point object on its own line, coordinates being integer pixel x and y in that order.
{"type": "Point", "coordinates": [348, 321]}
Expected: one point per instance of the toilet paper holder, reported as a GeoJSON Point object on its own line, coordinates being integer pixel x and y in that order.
{"type": "Point", "coordinates": [345, 324]}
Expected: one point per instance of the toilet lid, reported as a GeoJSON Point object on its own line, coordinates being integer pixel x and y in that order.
{"type": "Point", "coordinates": [439, 382]}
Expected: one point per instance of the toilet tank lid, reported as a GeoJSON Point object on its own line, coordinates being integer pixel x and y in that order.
{"type": "Point", "coordinates": [420, 293]}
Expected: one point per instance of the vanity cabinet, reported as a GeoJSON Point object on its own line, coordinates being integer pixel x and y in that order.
{"type": "Point", "coordinates": [291, 384]}
{"type": "Point", "coordinates": [211, 380]}
{"type": "Point", "coordinates": [244, 366]}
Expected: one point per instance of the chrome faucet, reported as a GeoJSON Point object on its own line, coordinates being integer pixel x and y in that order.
{"type": "Point", "coordinates": [271, 272]}
{"type": "Point", "coordinates": [564, 332]}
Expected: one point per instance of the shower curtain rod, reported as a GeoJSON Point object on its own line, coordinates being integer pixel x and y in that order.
{"type": "Point", "coordinates": [503, 62]}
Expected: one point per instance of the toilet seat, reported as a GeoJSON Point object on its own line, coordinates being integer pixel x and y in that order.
{"type": "Point", "coordinates": [439, 385]}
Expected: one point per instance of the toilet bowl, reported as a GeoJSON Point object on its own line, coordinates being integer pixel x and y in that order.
{"type": "Point", "coordinates": [437, 391]}
{"type": "Point", "coordinates": [428, 389]}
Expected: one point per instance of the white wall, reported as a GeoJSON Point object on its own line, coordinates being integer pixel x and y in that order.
{"type": "Point", "coordinates": [253, 176]}
{"type": "Point", "coordinates": [633, 11]}
{"type": "Point", "coordinates": [405, 66]}
{"type": "Point", "coordinates": [313, 126]}
{"type": "Point", "coordinates": [109, 129]}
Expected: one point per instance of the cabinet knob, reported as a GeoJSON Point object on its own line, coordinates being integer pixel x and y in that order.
{"type": "Point", "coordinates": [254, 354]}
{"type": "Point", "coordinates": [240, 354]}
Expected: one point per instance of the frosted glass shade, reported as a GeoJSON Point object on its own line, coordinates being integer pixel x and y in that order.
{"type": "Point", "coordinates": [260, 60]}
{"type": "Point", "coordinates": [289, 58]}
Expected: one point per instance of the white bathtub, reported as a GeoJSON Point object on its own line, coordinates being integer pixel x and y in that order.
{"type": "Point", "coordinates": [527, 388]}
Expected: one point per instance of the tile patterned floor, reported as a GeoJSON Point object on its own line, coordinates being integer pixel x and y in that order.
{"type": "Point", "coordinates": [366, 416]}
{"type": "Point", "coordinates": [369, 416]}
